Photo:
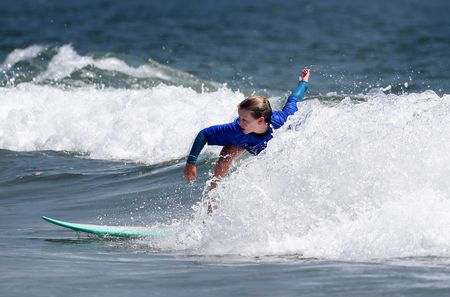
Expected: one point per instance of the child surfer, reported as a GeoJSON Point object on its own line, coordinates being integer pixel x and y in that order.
{"type": "Point", "coordinates": [250, 131]}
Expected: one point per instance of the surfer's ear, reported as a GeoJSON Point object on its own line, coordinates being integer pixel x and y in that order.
{"type": "Point", "coordinates": [261, 120]}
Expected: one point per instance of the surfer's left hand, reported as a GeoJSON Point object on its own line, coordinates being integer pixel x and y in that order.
{"type": "Point", "coordinates": [190, 172]}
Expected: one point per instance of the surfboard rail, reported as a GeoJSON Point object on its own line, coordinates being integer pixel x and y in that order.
{"type": "Point", "coordinates": [104, 230]}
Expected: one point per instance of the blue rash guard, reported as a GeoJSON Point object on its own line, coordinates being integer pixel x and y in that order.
{"type": "Point", "coordinates": [232, 134]}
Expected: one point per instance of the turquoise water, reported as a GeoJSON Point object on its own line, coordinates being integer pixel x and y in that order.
{"type": "Point", "coordinates": [100, 102]}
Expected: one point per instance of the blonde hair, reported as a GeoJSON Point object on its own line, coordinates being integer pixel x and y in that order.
{"type": "Point", "coordinates": [258, 106]}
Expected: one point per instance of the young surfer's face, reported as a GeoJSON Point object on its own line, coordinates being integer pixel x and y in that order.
{"type": "Point", "coordinates": [249, 124]}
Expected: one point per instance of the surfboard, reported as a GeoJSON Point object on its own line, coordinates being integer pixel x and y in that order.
{"type": "Point", "coordinates": [103, 230]}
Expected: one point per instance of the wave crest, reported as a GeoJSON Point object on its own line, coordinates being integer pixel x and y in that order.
{"type": "Point", "coordinates": [345, 181]}
{"type": "Point", "coordinates": [46, 65]}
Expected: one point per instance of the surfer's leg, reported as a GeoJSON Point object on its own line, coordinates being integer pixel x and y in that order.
{"type": "Point", "coordinates": [227, 155]}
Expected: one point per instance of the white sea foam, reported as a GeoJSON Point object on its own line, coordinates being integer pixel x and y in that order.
{"type": "Point", "coordinates": [67, 60]}
{"type": "Point", "coordinates": [151, 126]}
{"type": "Point", "coordinates": [353, 181]}
{"type": "Point", "coordinates": [22, 54]}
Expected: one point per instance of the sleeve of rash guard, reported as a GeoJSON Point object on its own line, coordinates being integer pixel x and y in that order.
{"type": "Point", "coordinates": [215, 135]}
{"type": "Point", "coordinates": [280, 117]}
{"type": "Point", "coordinates": [197, 147]}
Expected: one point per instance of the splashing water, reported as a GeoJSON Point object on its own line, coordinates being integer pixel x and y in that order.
{"type": "Point", "coordinates": [21, 55]}
{"type": "Point", "coordinates": [346, 181]}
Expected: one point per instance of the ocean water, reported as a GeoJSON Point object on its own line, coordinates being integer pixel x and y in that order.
{"type": "Point", "coordinates": [100, 102]}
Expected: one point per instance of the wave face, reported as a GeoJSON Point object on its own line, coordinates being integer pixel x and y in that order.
{"type": "Point", "coordinates": [63, 66]}
{"type": "Point", "coordinates": [344, 181]}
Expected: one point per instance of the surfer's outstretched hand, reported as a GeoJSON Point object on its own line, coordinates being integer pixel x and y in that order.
{"type": "Point", "coordinates": [304, 76]}
{"type": "Point", "coordinates": [190, 172]}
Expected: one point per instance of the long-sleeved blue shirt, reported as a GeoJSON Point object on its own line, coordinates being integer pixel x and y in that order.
{"type": "Point", "coordinates": [232, 134]}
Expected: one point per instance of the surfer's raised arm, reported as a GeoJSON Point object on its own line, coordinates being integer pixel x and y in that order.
{"type": "Point", "coordinates": [250, 131]}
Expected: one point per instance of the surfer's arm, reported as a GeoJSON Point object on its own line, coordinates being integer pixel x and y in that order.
{"type": "Point", "coordinates": [296, 97]}
{"type": "Point", "coordinates": [199, 144]}
{"type": "Point", "coordinates": [215, 135]}
{"type": "Point", "coordinates": [281, 116]}
{"type": "Point", "coordinates": [190, 170]}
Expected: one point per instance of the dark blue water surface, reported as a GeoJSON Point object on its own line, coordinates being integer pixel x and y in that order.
{"type": "Point", "coordinates": [94, 128]}
{"type": "Point", "coordinates": [349, 44]}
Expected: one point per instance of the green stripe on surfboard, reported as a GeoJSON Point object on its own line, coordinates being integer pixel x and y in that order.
{"type": "Point", "coordinates": [120, 231]}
